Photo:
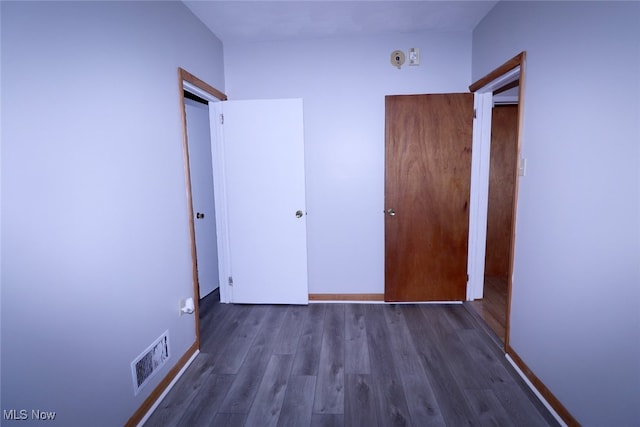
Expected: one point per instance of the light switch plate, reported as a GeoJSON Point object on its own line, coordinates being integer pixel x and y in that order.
{"type": "Point", "coordinates": [414, 56]}
{"type": "Point", "coordinates": [522, 169]}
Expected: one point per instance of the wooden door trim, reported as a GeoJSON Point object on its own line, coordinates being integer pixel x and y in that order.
{"type": "Point", "coordinates": [346, 297]}
{"type": "Point", "coordinates": [200, 84]}
{"type": "Point", "coordinates": [485, 85]}
{"type": "Point", "coordinates": [516, 61]}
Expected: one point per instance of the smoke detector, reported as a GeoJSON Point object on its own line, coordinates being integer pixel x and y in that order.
{"type": "Point", "coordinates": [397, 58]}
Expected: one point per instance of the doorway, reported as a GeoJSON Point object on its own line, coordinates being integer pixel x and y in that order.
{"type": "Point", "coordinates": [202, 190]}
{"type": "Point", "coordinates": [504, 127]}
{"type": "Point", "coordinates": [504, 83]}
{"type": "Point", "coordinates": [197, 92]}
{"type": "Point", "coordinates": [257, 178]}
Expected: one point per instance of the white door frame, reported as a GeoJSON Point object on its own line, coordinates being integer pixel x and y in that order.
{"type": "Point", "coordinates": [220, 198]}
{"type": "Point", "coordinates": [479, 194]}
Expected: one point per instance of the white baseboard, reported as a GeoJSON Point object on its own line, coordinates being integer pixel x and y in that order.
{"type": "Point", "coordinates": [166, 390]}
{"type": "Point", "coordinates": [535, 391]}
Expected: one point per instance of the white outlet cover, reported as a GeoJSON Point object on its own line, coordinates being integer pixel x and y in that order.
{"type": "Point", "coordinates": [414, 56]}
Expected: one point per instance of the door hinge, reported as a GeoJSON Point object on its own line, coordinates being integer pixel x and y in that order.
{"type": "Point", "coordinates": [467, 278]}
{"type": "Point", "coordinates": [475, 113]}
{"type": "Point", "coordinates": [221, 119]}
{"type": "Point", "coordinates": [230, 281]}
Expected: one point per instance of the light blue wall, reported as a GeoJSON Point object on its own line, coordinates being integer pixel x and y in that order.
{"type": "Point", "coordinates": [95, 239]}
{"type": "Point", "coordinates": [95, 249]}
{"type": "Point", "coordinates": [575, 317]}
{"type": "Point", "coordinates": [343, 82]}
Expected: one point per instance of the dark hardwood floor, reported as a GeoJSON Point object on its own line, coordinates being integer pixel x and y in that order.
{"type": "Point", "coordinates": [492, 308]}
{"type": "Point", "coordinates": [347, 365]}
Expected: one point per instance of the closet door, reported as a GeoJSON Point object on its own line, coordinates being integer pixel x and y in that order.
{"type": "Point", "coordinates": [265, 191]}
{"type": "Point", "coordinates": [427, 184]}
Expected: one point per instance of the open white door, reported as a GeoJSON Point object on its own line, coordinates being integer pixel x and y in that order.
{"type": "Point", "coordinates": [265, 197]}
{"type": "Point", "coordinates": [199, 145]}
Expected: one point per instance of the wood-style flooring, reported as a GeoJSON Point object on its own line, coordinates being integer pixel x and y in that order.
{"type": "Point", "coordinates": [347, 365]}
{"type": "Point", "coordinates": [492, 308]}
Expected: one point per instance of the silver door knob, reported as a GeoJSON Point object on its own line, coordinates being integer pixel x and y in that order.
{"type": "Point", "coordinates": [299, 214]}
{"type": "Point", "coordinates": [391, 212]}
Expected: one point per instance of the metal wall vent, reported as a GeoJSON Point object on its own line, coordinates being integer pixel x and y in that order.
{"type": "Point", "coordinates": [145, 366]}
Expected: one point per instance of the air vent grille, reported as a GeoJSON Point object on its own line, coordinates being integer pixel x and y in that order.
{"type": "Point", "coordinates": [145, 366]}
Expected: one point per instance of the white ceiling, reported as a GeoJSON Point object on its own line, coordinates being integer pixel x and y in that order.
{"type": "Point", "coordinates": [280, 20]}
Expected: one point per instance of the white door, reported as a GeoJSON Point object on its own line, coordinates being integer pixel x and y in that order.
{"type": "Point", "coordinates": [265, 192]}
{"type": "Point", "coordinates": [200, 161]}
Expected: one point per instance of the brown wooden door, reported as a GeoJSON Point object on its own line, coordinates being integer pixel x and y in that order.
{"type": "Point", "coordinates": [427, 181]}
{"type": "Point", "coordinates": [502, 180]}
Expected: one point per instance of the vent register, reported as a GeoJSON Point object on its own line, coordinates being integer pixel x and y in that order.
{"type": "Point", "coordinates": [147, 364]}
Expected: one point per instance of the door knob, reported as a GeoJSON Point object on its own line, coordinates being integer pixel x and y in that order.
{"type": "Point", "coordinates": [391, 212]}
{"type": "Point", "coordinates": [298, 214]}
{"type": "Point", "coordinates": [199, 215]}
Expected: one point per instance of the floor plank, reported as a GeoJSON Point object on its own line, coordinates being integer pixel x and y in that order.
{"type": "Point", "coordinates": [172, 408]}
{"type": "Point", "coordinates": [307, 358]}
{"type": "Point", "coordinates": [347, 364]}
{"type": "Point", "coordinates": [265, 410]}
{"type": "Point", "coordinates": [204, 407]}
{"type": "Point", "coordinates": [450, 397]}
{"type": "Point", "coordinates": [291, 329]}
{"type": "Point", "coordinates": [360, 405]}
{"type": "Point", "coordinates": [487, 407]}
{"type": "Point", "coordinates": [523, 406]}
{"type": "Point", "coordinates": [232, 355]}
{"type": "Point", "coordinates": [450, 344]}
{"type": "Point", "coordinates": [218, 329]}
{"type": "Point", "coordinates": [297, 408]}
{"type": "Point", "coordinates": [356, 359]}
{"type": "Point", "coordinates": [224, 419]}
{"type": "Point", "coordinates": [212, 317]}
{"type": "Point", "coordinates": [244, 387]}
{"type": "Point", "coordinates": [329, 397]}
{"type": "Point", "coordinates": [489, 365]}
{"type": "Point", "coordinates": [327, 420]}
{"type": "Point", "coordinates": [390, 398]}
{"type": "Point", "coordinates": [492, 307]}
{"type": "Point", "coordinates": [421, 398]}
